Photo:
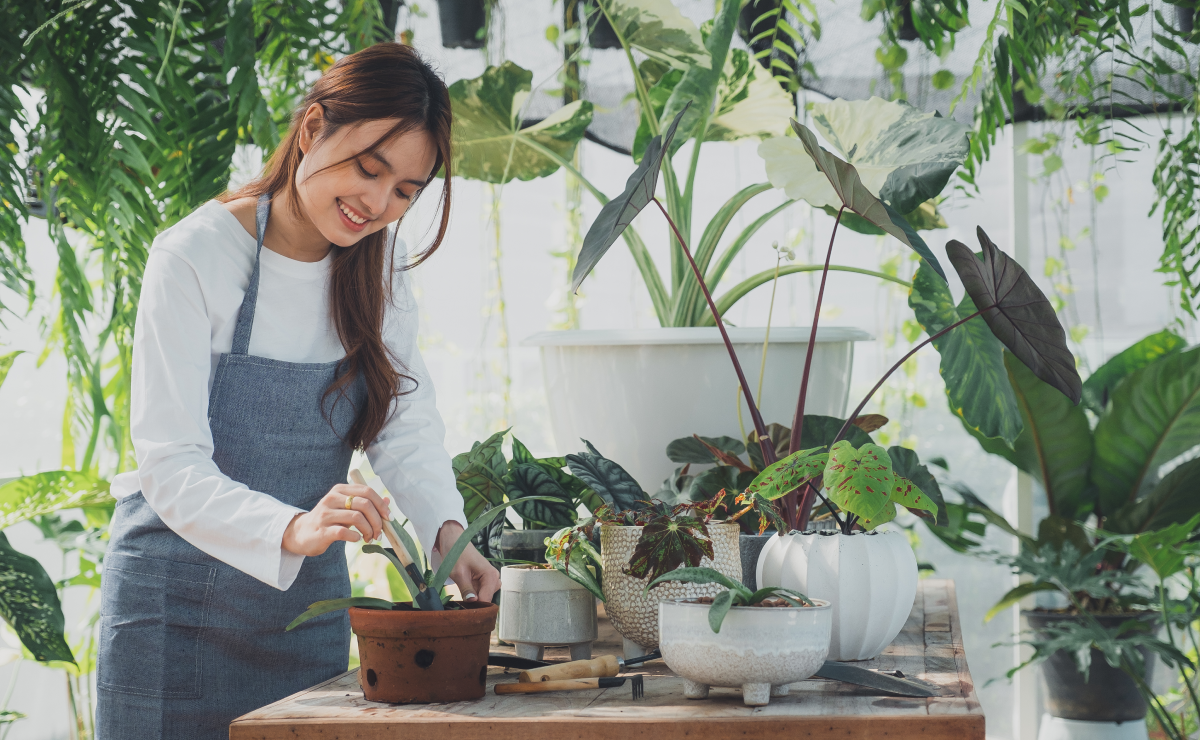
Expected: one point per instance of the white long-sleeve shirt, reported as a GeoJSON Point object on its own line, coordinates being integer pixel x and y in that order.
{"type": "Point", "coordinates": [196, 275]}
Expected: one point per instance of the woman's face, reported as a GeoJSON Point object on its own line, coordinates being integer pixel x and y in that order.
{"type": "Point", "coordinates": [369, 191]}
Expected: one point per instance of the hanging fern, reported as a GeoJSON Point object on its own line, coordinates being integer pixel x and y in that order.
{"type": "Point", "coordinates": [777, 32]}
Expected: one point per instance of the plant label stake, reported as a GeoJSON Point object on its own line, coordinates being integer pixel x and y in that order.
{"type": "Point", "coordinates": [425, 597]}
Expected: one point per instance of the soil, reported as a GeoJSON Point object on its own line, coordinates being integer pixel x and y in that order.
{"type": "Point", "coordinates": [765, 603]}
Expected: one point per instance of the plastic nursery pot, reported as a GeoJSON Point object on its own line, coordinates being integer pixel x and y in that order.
{"type": "Point", "coordinates": [420, 657]}
{"type": "Point", "coordinates": [759, 649]}
{"type": "Point", "coordinates": [870, 578]}
{"type": "Point", "coordinates": [525, 544]}
{"type": "Point", "coordinates": [1109, 694]}
{"type": "Point", "coordinates": [600, 32]}
{"type": "Point", "coordinates": [461, 22]}
{"type": "Point", "coordinates": [542, 607]}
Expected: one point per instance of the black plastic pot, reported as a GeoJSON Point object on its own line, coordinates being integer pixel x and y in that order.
{"type": "Point", "coordinates": [462, 22]}
{"type": "Point", "coordinates": [1109, 694]}
{"type": "Point", "coordinates": [525, 544]}
{"type": "Point", "coordinates": [751, 547]}
{"type": "Point", "coordinates": [600, 32]}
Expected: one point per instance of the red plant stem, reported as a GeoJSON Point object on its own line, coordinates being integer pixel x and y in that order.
{"type": "Point", "coordinates": [850, 519]}
{"type": "Point", "coordinates": [764, 442]}
{"type": "Point", "coordinates": [799, 519]}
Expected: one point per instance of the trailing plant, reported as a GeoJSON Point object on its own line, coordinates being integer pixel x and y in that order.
{"type": "Point", "coordinates": [736, 595]}
{"type": "Point", "coordinates": [861, 480]}
{"type": "Point", "coordinates": [434, 579]}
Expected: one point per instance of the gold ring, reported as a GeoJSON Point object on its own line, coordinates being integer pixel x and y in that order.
{"type": "Point", "coordinates": [349, 502]}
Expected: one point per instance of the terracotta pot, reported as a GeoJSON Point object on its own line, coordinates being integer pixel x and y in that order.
{"type": "Point", "coordinates": [419, 657]}
{"type": "Point", "coordinates": [634, 614]}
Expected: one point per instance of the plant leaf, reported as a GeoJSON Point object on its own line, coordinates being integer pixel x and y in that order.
{"type": "Point", "coordinates": [972, 361]}
{"type": "Point", "coordinates": [691, 450]}
{"type": "Point", "coordinates": [1172, 500]}
{"type": "Point", "coordinates": [790, 473]}
{"type": "Point", "coordinates": [1055, 445]}
{"type": "Point", "coordinates": [666, 544]}
{"type": "Point", "coordinates": [333, 605]}
{"type": "Point", "coordinates": [1154, 418]}
{"type": "Point", "coordinates": [619, 212]}
{"type": "Point", "coordinates": [719, 608]}
{"type": "Point", "coordinates": [904, 154]}
{"type": "Point", "coordinates": [657, 29]}
{"type": "Point", "coordinates": [607, 479]}
{"type": "Point", "coordinates": [390, 554]}
{"type": "Point", "coordinates": [414, 551]}
{"type": "Point", "coordinates": [819, 431]}
{"type": "Point", "coordinates": [29, 604]}
{"type": "Point", "coordinates": [905, 463]}
{"type": "Point", "coordinates": [576, 565]}
{"type": "Point", "coordinates": [859, 481]}
{"type": "Point", "coordinates": [45, 493]}
{"type": "Point", "coordinates": [449, 559]}
{"type": "Point", "coordinates": [520, 453]}
{"type": "Point", "coordinates": [712, 481]}
{"type": "Point", "coordinates": [1017, 312]}
{"type": "Point", "coordinates": [870, 422]}
{"type": "Point", "coordinates": [6, 363]}
{"type": "Point", "coordinates": [749, 103]}
{"type": "Point", "coordinates": [487, 133]}
{"type": "Point", "coordinates": [479, 475]}
{"type": "Point", "coordinates": [1098, 388]}
{"type": "Point", "coordinates": [702, 575]}
{"type": "Point", "coordinates": [530, 479]}
{"type": "Point", "coordinates": [1015, 595]}
{"type": "Point", "coordinates": [911, 497]}
{"type": "Point", "coordinates": [699, 84]}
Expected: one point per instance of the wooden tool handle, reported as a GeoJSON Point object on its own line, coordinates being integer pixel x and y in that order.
{"type": "Point", "coordinates": [605, 665]}
{"type": "Point", "coordinates": [401, 552]}
{"type": "Point", "coordinates": [540, 686]}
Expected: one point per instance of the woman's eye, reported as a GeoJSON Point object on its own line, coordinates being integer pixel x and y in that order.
{"type": "Point", "coordinates": [403, 195]}
{"type": "Point", "coordinates": [363, 170]}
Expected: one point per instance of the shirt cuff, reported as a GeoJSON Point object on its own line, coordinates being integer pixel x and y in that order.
{"type": "Point", "coordinates": [289, 562]}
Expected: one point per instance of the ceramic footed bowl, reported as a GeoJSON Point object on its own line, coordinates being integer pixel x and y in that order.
{"type": "Point", "coordinates": [634, 614]}
{"type": "Point", "coordinates": [759, 649]}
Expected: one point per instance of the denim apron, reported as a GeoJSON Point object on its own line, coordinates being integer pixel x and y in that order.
{"type": "Point", "coordinates": [188, 643]}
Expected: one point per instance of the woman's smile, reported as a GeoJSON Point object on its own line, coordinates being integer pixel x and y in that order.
{"type": "Point", "coordinates": [351, 218]}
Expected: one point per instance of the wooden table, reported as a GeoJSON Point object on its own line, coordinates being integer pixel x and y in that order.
{"type": "Point", "coordinates": [929, 649]}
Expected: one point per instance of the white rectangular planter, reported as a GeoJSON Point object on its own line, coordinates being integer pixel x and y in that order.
{"type": "Point", "coordinates": [630, 392]}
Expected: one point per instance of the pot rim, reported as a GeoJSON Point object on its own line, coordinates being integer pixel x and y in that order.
{"type": "Point", "coordinates": [690, 601]}
{"type": "Point", "coordinates": [660, 335]}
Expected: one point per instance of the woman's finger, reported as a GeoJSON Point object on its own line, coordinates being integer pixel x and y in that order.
{"type": "Point", "coordinates": [380, 503]}
{"type": "Point", "coordinates": [364, 506]}
{"type": "Point", "coordinates": [335, 533]}
{"type": "Point", "coordinates": [351, 518]}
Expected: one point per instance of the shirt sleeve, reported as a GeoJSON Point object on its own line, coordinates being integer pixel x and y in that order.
{"type": "Point", "coordinates": [172, 440]}
{"type": "Point", "coordinates": [409, 455]}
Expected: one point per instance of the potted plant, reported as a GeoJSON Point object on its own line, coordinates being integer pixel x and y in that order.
{"type": "Point", "coordinates": [863, 481]}
{"type": "Point", "coordinates": [463, 23]}
{"type": "Point", "coordinates": [409, 655]}
{"type": "Point", "coordinates": [634, 391]}
{"type": "Point", "coordinates": [1103, 463]}
{"type": "Point", "coordinates": [758, 641]}
{"type": "Point", "coordinates": [541, 607]}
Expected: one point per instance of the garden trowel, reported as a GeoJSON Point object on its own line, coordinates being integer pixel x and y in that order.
{"type": "Point", "coordinates": [425, 598]}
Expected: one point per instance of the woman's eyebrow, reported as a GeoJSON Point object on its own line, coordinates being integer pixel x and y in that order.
{"type": "Point", "coordinates": [388, 166]}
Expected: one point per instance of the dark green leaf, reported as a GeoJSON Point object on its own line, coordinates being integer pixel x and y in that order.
{"type": "Point", "coordinates": [712, 481]}
{"type": "Point", "coordinates": [1175, 498]}
{"type": "Point", "coordinates": [30, 605]}
{"type": "Point", "coordinates": [1055, 445]}
{"type": "Point", "coordinates": [1018, 313]}
{"type": "Point", "coordinates": [405, 577]}
{"type": "Point", "coordinates": [690, 449]}
{"type": "Point", "coordinates": [972, 361]}
{"type": "Point", "coordinates": [702, 575]}
{"type": "Point", "coordinates": [668, 543]}
{"type": "Point", "coordinates": [521, 453]}
{"type": "Point", "coordinates": [1154, 417]}
{"type": "Point", "coordinates": [720, 607]}
{"type": "Point", "coordinates": [619, 212]}
{"type": "Point", "coordinates": [1015, 596]}
{"type": "Point", "coordinates": [781, 438]}
{"type": "Point", "coordinates": [530, 479]}
{"type": "Point", "coordinates": [1098, 388]}
{"type": "Point", "coordinates": [479, 475]}
{"type": "Point", "coordinates": [819, 431]}
{"type": "Point", "coordinates": [906, 463]}
{"type": "Point", "coordinates": [607, 479]}
{"type": "Point", "coordinates": [333, 605]}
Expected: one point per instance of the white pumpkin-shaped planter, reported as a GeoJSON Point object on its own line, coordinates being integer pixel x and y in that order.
{"type": "Point", "coordinates": [870, 578]}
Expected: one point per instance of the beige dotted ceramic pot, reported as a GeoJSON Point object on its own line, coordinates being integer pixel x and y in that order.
{"type": "Point", "coordinates": [635, 615]}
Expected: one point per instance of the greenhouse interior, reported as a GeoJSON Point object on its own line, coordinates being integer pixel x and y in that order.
{"type": "Point", "coordinates": [710, 305]}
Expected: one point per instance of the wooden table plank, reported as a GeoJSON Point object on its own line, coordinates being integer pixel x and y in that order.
{"type": "Point", "coordinates": [929, 648]}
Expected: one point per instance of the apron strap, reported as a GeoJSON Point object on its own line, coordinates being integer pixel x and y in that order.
{"type": "Point", "coordinates": [245, 320]}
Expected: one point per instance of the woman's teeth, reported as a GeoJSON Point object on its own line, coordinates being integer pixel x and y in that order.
{"type": "Point", "coordinates": [350, 214]}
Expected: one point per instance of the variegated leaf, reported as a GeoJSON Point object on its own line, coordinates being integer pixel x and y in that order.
{"type": "Point", "coordinates": [859, 480]}
{"type": "Point", "coordinates": [908, 495]}
{"type": "Point", "coordinates": [657, 29]}
{"type": "Point", "coordinates": [790, 473]}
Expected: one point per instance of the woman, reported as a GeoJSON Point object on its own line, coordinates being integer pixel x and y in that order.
{"type": "Point", "coordinates": [274, 337]}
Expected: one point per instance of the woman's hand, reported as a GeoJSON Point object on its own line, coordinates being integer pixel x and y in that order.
{"type": "Point", "coordinates": [477, 579]}
{"type": "Point", "coordinates": [312, 533]}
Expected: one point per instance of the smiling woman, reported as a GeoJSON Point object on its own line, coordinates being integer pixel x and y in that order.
{"type": "Point", "coordinates": [256, 374]}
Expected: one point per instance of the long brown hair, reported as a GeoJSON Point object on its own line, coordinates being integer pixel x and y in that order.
{"type": "Point", "coordinates": [382, 82]}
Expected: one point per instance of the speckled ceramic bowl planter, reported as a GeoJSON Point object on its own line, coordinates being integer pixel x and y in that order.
{"type": "Point", "coordinates": [541, 607]}
{"type": "Point", "coordinates": [635, 615]}
{"type": "Point", "coordinates": [759, 649]}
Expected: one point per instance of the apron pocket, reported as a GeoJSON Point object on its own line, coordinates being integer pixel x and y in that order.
{"type": "Point", "coordinates": [152, 615]}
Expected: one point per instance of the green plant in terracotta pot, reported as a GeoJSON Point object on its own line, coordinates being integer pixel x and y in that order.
{"type": "Point", "coordinates": [414, 655]}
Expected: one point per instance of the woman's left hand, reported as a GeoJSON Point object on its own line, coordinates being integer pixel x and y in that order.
{"type": "Point", "coordinates": [473, 574]}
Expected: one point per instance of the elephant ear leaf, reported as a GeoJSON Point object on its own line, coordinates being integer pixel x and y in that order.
{"type": "Point", "coordinates": [1018, 313]}
{"type": "Point", "coordinates": [619, 212]}
{"type": "Point", "coordinates": [909, 470]}
{"type": "Point", "coordinates": [31, 606]}
{"type": "Point", "coordinates": [1098, 388]}
{"type": "Point", "coordinates": [607, 479]}
{"type": "Point", "coordinates": [531, 480]}
{"type": "Point", "coordinates": [860, 481]}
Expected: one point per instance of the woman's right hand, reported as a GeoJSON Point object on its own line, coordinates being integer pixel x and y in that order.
{"type": "Point", "coordinates": [312, 533]}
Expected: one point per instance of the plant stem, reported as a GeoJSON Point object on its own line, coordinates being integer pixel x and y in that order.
{"type": "Point", "coordinates": [762, 366]}
{"type": "Point", "coordinates": [764, 442]}
{"type": "Point", "coordinates": [799, 520]}
{"type": "Point", "coordinates": [858, 409]}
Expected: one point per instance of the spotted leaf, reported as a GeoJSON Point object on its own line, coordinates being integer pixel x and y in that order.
{"type": "Point", "coordinates": [789, 473]}
{"type": "Point", "coordinates": [668, 543]}
{"type": "Point", "coordinates": [908, 495]}
{"type": "Point", "coordinates": [859, 481]}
